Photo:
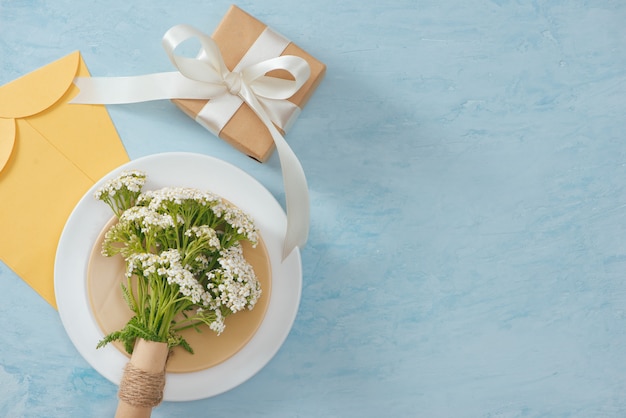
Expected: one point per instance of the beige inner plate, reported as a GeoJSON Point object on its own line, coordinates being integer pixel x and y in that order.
{"type": "Point", "coordinates": [105, 274]}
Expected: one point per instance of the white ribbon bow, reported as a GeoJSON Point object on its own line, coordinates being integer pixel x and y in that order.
{"type": "Point", "coordinates": [206, 77]}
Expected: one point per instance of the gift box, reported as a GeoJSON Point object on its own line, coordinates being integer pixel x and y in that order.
{"type": "Point", "coordinates": [236, 36]}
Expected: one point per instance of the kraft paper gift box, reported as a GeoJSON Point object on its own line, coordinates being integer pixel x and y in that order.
{"type": "Point", "coordinates": [51, 153]}
{"type": "Point", "coordinates": [235, 34]}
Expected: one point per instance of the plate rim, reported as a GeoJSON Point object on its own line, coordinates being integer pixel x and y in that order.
{"type": "Point", "coordinates": [240, 188]}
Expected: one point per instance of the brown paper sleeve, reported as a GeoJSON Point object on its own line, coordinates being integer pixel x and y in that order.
{"type": "Point", "coordinates": [148, 357]}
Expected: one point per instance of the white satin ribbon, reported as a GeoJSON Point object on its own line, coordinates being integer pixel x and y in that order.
{"type": "Point", "coordinates": [206, 77]}
{"type": "Point", "coordinates": [218, 111]}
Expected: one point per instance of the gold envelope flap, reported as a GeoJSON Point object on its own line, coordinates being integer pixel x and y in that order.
{"type": "Point", "coordinates": [51, 152]}
{"type": "Point", "coordinates": [32, 94]}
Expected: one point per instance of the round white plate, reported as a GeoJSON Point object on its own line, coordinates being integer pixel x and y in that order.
{"type": "Point", "coordinates": [180, 170]}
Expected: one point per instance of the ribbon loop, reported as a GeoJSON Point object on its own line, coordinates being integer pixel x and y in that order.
{"type": "Point", "coordinates": [208, 67]}
{"type": "Point", "coordinates": [273, 87]}
{"type": "Point", "coordinates": [207, 77]}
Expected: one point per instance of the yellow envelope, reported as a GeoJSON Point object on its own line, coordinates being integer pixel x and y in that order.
{"type": "Point", "coordinates": [51, 153]}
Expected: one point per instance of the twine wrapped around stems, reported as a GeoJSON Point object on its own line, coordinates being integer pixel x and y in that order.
{"type": "Point", "coordinates": [141, 388]}
{"type": "Point", "coordinates": [142, 384]}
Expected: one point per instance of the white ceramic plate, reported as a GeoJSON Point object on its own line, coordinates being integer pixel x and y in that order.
{"type": "Point", "coordinates": [184, 170]}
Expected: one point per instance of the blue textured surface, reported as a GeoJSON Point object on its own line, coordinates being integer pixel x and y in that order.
{"type": "Point", "coordinates": [466, 163]}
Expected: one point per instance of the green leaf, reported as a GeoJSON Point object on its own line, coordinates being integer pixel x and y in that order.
{"type": "Point", "coordinates": [127, 297]}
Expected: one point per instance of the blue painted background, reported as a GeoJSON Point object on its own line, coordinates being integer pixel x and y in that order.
{"type": "Point", "coordinates": [466, 163]}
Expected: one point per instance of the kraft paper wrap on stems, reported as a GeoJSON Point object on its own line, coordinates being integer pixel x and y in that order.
{"type": "Point", "coordinates": [206, 76]}
{"type": "Point", "coordinates": [141, 388]}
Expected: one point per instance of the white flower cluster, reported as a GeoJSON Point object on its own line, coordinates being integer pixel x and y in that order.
{"type": "Point", "coordinates": [205, 233]}
{"type": "Point", "coordinates": [132, 181]}
{"type": "Point", "coordinates": [142, 263]}
{"type": "Point", "coordinates": [157, 199]}
{"type": "Point", "coordinates": [175, 273]}
{"type": "Point", "coordinates": [147, 219]}
{"type": "Point", "coordinates": [234, 285]}
{"type": "Point", "coordinates": [241, 222]}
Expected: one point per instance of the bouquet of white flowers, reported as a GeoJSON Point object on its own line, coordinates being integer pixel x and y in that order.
{"type": "Point", "coordinates": [184, 266]}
